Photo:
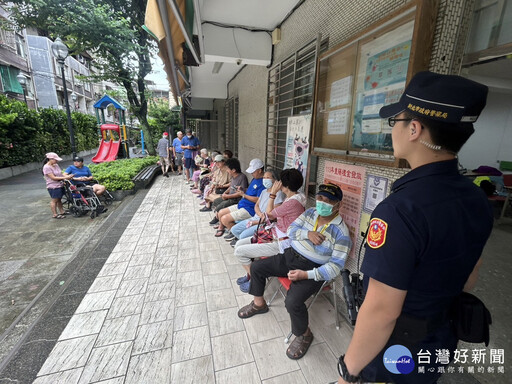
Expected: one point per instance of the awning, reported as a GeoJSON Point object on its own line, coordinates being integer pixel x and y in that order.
{"type": "Point", "coordinates": [106, 100]}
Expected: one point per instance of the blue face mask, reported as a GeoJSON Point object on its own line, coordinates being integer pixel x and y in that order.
{"type": "Point", "coordinates": [267, 183]}
{"type": "Point", "coordinates": [323, 209]}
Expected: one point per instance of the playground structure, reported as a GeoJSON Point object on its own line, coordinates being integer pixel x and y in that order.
{"type": "Point", "coordinates": [110, 146]}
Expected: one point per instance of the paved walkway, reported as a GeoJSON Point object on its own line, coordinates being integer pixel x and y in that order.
{"type": "Point", "coordinates": [163, 309]}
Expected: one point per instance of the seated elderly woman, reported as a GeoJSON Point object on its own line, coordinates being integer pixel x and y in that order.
{"type": "Point", "coordinates": [285, 214]}
{"type": "Point", "coordinates": [82, 175]}
{"type": "Point", "coordinates": [202, 163]}
{"type": "Point", "coordinates": [247, 227]}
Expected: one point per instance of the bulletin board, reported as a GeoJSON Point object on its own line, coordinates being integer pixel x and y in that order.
{"type": "Point", "coordinates": [359, 76]}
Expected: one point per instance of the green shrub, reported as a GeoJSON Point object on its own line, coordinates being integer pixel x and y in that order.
{"type": "Point", "coordinates": [26, 135]}
{"type": "Point", "coordinates": [118, 174]}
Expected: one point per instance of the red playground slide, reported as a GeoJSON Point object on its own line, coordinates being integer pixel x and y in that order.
{"type": "Point", "coordinates": [108, 149]}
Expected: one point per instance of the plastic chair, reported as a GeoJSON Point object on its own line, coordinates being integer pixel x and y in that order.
{"type": "Point", "coordinates": [327, 286]}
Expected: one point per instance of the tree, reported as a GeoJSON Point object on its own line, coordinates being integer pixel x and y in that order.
{"type": "Point", "coordinates": [161, 119]}
{"type": "Point", "coordinates": [111, 30]}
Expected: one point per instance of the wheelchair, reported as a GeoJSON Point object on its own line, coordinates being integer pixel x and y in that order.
{"type": "Point", "coordinates": [81, 200]}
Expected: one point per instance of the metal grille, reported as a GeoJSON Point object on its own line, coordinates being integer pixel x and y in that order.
{"type": "Point", "coordinates": [231, 125]}
{"type": "Point", "coordinates": [290, 92]}
{"type": "Point", "coordinates": [207, 133]}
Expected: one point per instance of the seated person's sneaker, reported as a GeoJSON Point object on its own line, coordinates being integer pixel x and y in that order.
{"type": "Point", "coordinates": [233, 242]}
{"type": "Point", "coordinates": [205, 209]}
{"type": "Point", "coordinates": [243, 279]}
{"type": "Point", "coordinates": [245, 286]}
{"type": "Point", "coordinates": [229, 237]}
{"type": "Point", "coordinates": [214, 221]}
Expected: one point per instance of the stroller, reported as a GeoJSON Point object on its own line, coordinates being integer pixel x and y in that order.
{"type": "Point", "coordinates": [82, 200]}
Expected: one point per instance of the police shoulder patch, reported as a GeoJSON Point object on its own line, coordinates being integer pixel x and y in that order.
{"type": "Point", "coordinates": [377, 233]}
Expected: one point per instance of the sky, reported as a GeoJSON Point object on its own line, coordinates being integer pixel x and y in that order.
{"type": "Point", "coordinates": [158, 74]}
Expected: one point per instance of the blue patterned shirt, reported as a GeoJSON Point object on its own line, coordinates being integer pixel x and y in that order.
{"type": "Point", "coordinates": [332, 253]}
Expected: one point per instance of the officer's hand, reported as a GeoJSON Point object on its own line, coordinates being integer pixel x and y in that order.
{"type": "Point", "coordinates": [297, 274]}
{"type": "Point", "coordinates": [315, 237]}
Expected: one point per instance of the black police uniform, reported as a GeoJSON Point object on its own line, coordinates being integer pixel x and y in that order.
{"type": "Point", "coordinates": [426, 238]}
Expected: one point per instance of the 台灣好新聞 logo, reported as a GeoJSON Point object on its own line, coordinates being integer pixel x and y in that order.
{"type": "Point", "coordinates": [398, 359]}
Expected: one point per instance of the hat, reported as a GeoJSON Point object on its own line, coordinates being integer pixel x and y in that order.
{"type": "Point", "coordinates": [331, 191]}
{"type": "Point", "coordinates": [254, 165]}
{"type": "Point", "coordinates": [53, 155]}
{"type": "Point", "coordinates": [447, 98]}
{"type": "Point", "coordinates": [218, 158]}
{"type": "Point", "coordinates": [78, 158]}
{"type": "Point", "coordinates": [166, 134]}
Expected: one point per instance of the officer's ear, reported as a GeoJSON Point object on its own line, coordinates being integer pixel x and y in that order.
{"type": "Point", "coordinates": [415, 129]}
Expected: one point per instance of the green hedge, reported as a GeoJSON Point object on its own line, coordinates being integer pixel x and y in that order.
{"type": "Point", "coordinates": [26, 135]}
{"type": "Point", "coordinates": [118, 174]}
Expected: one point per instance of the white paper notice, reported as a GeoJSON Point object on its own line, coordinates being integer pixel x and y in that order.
{"type": "Point", "coordinates": [337, 122]}
{"type": "Point", "coordinates": [371, 126]}
{"type": "Point", "coordinates": [340, 91]}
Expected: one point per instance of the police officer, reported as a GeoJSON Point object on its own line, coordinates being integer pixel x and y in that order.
{"type": "Point", "coordinates": [425, 239]}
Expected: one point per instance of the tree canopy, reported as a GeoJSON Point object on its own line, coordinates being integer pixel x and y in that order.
{"type": "Point", "coordinates": [110, 29]}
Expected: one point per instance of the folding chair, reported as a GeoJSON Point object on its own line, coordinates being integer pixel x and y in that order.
{"type": "Point", "coordinates": [326, 287]}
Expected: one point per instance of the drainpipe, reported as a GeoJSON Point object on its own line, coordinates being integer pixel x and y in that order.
{"type": "Point", "coordinates": [197, 16]}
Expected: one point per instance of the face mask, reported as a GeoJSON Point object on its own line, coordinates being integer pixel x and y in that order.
{"type": "Point", "coordinates": [323, 209]}
{"type": "Point", "coordinates": [267, 183]}
{"type": "Point", "coordinates": [189, 136]}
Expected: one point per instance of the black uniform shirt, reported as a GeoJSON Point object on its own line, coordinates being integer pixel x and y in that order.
{"type": "Point", "coordinates": [427, 236]}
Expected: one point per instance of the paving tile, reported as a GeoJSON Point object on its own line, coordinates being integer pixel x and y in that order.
{"type": "Point", "coordinates": [188, 253]}
{"type": "Point", "coordinates": [231, 350]}
{"type": "Point", "coordinates": [220, 299]}
{"type": "Point", "coordinates": [118, 330]}
{"type": "Point", "coordinates": [216, 282]}
{"type": "Point", "coordinates": [68, 354]}
{"type": "Point", "coordinates": [113, 269]}
{"type": "Point", "coordinates": [156, 311]}
{"type": "Point", "coordinates": [337, 340]}
{"type": "Point", "coordinates": [319, 365]}
{"type": "Point", "coordinates": [189, 279]}
{"type": "Point", "coordinates": [67, 377]}
{"type": "Point", "coordinates": [213, 267]}
{"type": "Point", "coordinates": [142, 258]}
{"type": "Point", "coordinates": [262, 327]}
{"type": "Point", "coordinates": [147, 240]}
{"type": "Point", "coordinates": [209, 246]}
{"type": "Point", "coordinates": [116, 380]}
{"type": "Point", "coordinates": [162, 275]}
{"type": "Point", "coordinates": [271, 360]}
{"type": "Point", "coordinates": [145, 249]}
{"type": "Point", "coordinates": [212, 255]}
{"type": "Point", "coordinates": [119, 256]}
{"type": "Point", "coordinates": [233, 375]}
{"type": "Point", "coordinates": [124, 247]}
{"type": "Point", "coordinates": [154, 336]}
{"type": "Point", "coordinates": [190, 316]}
{"type": "Point", "coordinates": [190, 295]}
{"type": "Point", "coordinates": [191, 343]}
{"type": "Point", "coordinates": [107, 362]}
{"type": "Point", "coordinates": [107, 283]}
{"type": "Point", "coordinates": [138, 272]}
{"type": "Point", "coordinates": [189, 265]}
{"type": "Point", "coordinates": [295, 377]}
{"type": "Point", "coordinates": [124, 306]}
{"type": "Point", "coordinates": [235, 271]}
{"type": "Point", "coordinates": [188, 372]}
{"type": "Point", "coordinates": [132, 287]}
{"type": "Point", "coordinates": [160, 291]}
{"type": "Point", "coordinates": [150, 368]}
{"type": "Point", "coordinates": [230, 259]}
{"type": "Point", "coordinates": [83, 324]}
{"type": "Point", "coordinates": [224, 321]}
{"type": "Point", "coordinates": [96, 301]}
{"type": "Point", "coordinates": [165, 262]}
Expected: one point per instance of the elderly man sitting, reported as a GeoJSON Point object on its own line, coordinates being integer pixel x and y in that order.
{"type": "Point", "coordinates": [320, 244]}
{"type": "Point", "coordinates": [82, 175]}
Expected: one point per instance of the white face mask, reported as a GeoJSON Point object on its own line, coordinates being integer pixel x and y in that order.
{"type": "Point", "coordinates": [267, 183]}
{"type": "Point", "coordinates": [189, 136]}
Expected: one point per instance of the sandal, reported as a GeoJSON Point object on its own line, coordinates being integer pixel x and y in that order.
{"type": "Point", "coordinates": [66, 212]}
{"type": "Point", "coordinates": [59, 217]}
{"type": "Point", "coordinates": [299, 346]}
{"type": "Point", "coordinates": [219, 233]}
{"type": "Point", "coordinates": [251, 309]}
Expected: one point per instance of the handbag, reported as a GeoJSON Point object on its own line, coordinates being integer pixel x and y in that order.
{"type": "Point", "coordinates": [263, 233]}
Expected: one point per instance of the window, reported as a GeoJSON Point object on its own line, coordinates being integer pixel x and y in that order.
{"type": "Point", "coordinates": [290, 93]}
{"type": "Point", "coordinates": [9, 81]}
{"type": "Point", "coordinates": [7, 38]}
{"type": "Point", "coordinates": [20, 46]}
